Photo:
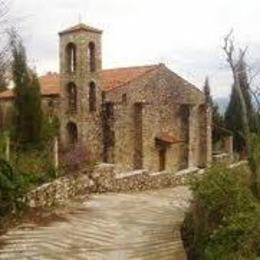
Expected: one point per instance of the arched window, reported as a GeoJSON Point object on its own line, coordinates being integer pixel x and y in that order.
{"type": "Point", "coordinates": [92, 97]}
{"type": "Point", "coordinates": [72, 132]}
{"type": "Point", "coordinates": [92, 56]}
{"type": "Point", "coordinates": [72, 97]}
{"type": "Point", "coordinates": [71, 57]}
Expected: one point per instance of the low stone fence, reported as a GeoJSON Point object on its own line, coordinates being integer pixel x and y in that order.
{"type": "Point", "coordinates": [58, 191]}
{"type": "Point", "coordinates": [104, 179]}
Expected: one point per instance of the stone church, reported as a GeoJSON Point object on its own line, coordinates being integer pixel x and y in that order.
{"type": "Point", "coordinates": [144, 117]}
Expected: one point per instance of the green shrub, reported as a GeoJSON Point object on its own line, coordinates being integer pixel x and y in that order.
{"type": "Point", "coordinates": [50, 129]}
{"type": "Point", "coordinates": [12, 187]}
{"type": "Point", "coordinates": [3, 137]}
{"type": "Point", "coordinates": [224, 219]}
{"type": "Point", "coordinates": [35, 166]}
{"type": "Point", "coordinates": [254, 163]}
{"type": "Point", "coordinates": [27, 169]}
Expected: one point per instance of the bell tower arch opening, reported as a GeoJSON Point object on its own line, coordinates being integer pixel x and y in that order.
{"type": "Point", "coordinates": [92, 56]}
{"type": "Point", "coordinates": [71, 57]}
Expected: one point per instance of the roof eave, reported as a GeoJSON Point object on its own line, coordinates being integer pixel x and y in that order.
{"type": "Point", "coordinates": [81, 29]}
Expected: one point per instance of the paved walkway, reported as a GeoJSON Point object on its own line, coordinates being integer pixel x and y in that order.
{"type": "Point", "coordinates": [139, 226]}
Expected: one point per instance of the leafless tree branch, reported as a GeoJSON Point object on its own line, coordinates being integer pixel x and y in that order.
{"type": "Point", "coordinates": [230, 51]}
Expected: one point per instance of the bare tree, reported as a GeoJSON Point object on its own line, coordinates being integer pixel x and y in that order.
{"type": "Point", "coordinates": [254, 90]}
{"type": "Point", "coordinates": [233, 61]}
{"type": "Point", "coordinates": [4, 46]}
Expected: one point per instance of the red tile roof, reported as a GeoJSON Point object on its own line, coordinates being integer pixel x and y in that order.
{"type": "Point", "coordinates": [111, 79]}
{"type": "Point", "coordinates": [50, 86]}
{"type": "Point", "coordinates": [114, 78]}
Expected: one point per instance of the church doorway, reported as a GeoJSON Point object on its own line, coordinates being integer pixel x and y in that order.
{"type": "Point", "coordinates": [162, 158]}
{"type": "Point", "coordinates": [72, 133]}
{"type": "Point", "coordinates": [163, 141]}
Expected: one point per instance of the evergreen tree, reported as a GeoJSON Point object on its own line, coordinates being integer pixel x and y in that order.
{"type": "Point", "coordinates": [27, 100]}
{"type": "Point", "coordinates": [207, 93]}
{"type": "Point", "coordinates": [35, 107]}
{"type": "Point", "coordinates": [245, 86]}
{"type": "Point", "coordinates": [217, 118]}
{"type": "Point", "coordinates": [3, 84]}
{"type": "Point", "coordinates": [233, 115]}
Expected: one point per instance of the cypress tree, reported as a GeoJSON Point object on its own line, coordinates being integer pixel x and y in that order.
{"type": "Point", "coordinates": [207, 93]}
{"type": "Point", "coordinates": [217, 118]}
{"type": "Point", "coordinates": [35, 106]}
{"type": "Point", "coordinates": [27, 99]}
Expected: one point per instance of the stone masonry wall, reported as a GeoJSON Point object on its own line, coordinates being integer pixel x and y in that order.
{"type": "Point", "coordinates": [103, 179]}
{"type": "Point", "coordinates": [106, 180]}
{"type": "Point", "coordinates": [58, 191]}
{"type": "Point", "coordinates": [88, 122]}
{"type": "Point", "coordinates": [162, 93]}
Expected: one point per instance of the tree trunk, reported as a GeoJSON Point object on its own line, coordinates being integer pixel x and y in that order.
{"type": "Point", "coordinates": [245, 122]}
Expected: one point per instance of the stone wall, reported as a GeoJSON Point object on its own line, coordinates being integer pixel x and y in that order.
{"type": "Point", "coordinates": [88, 123]}
{"type": "Point", "coordinates": [162, 94]}
{"type": "Point", "coordinates": [58, 191]}
{"type": "Point", "coordinates": [104, 179]}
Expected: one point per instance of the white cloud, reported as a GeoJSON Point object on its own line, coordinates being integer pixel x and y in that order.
{"type": "Point", "coordinates": [185, 34]}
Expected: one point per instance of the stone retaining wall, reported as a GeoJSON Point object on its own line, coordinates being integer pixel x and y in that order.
{"type": "Point", "coordinates": [104, 179]}
{"type": "Point", "coordinates": [58, 191]}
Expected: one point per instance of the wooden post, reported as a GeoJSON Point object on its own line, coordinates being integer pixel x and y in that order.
{"type": "Point", "coordinates": [56, 155]}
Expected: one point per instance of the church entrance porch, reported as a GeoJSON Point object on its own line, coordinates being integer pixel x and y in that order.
{"type": "Point", "coordinates": [163, 142]}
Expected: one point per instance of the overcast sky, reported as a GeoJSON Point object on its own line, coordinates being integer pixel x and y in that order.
{"type": "Point", "coordinates": [186, 35]}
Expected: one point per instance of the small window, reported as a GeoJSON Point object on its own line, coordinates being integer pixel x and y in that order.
{"type": "Point", "coordinates": [124, 98]}
{"type": "Point", "coordinates": [92, 56]}
{"type": "Point", "coordinates": [92, 97]}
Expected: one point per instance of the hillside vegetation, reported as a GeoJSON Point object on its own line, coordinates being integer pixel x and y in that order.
{"type": "Point", "coordinates": [224, 220]}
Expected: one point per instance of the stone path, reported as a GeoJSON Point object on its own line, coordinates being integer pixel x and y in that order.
{"type": "Point", "coordinates": [139, 226]}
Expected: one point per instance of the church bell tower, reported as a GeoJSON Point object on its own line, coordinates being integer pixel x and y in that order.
{"type": "Point", "coordinates": [80, 82]}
